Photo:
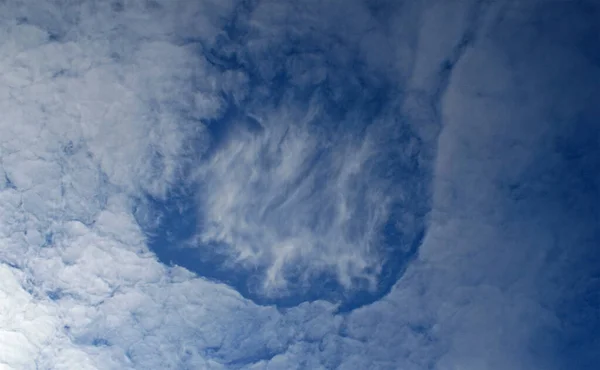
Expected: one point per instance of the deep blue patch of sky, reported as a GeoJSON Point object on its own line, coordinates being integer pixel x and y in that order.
{"type": "Point", "coordinates": [353, 97]}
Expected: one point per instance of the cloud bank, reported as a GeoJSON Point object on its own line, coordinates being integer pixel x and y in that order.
{"type": "Point", "coordinates": [299, 185]}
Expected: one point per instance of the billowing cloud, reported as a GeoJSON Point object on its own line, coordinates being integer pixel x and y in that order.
{"type": "Point", "coordinates": [280, 185]}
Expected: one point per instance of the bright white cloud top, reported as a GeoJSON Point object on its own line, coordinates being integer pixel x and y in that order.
{"type": "Point", "coordinates": [365, 185]}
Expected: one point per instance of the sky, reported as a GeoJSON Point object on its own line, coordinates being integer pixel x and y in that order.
{"type": "Point", "coordinates": [300, 184]}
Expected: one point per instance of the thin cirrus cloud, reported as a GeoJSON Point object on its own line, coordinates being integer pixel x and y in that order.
{"type": "Point", "coordinates": [430, 164]}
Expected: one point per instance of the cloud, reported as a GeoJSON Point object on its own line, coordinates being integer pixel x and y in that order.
{"type": "Point", "coordinates": [283, 197]}
{"type": "Point", "coordinates": [431, 165]}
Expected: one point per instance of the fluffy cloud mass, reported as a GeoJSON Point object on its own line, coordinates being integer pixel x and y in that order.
{"type": "Point", "coordinates": [299, 185]}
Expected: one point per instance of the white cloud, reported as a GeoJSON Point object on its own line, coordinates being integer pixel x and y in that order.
{"type": "Point", "coordinates": [101, 104]}
{"type": "Point", "coordinates": [277, 197]}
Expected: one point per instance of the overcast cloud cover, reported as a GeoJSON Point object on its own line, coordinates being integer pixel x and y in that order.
{"type": "Point", "coordinates": [360, 184]}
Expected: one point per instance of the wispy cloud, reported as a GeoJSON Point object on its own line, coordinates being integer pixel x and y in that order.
{"type": "Point", "coordinates": [284, 196]}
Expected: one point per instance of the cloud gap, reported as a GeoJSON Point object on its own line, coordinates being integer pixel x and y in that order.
{"type": "Point", "coordinates": [303, 100]}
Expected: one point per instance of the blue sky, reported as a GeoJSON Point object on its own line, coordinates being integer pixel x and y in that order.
{"type": "Point", "coordinates": [299, 185]}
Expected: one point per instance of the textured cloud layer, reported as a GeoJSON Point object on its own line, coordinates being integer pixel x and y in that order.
{"type": "Point", "coordinates": [292, 163]}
